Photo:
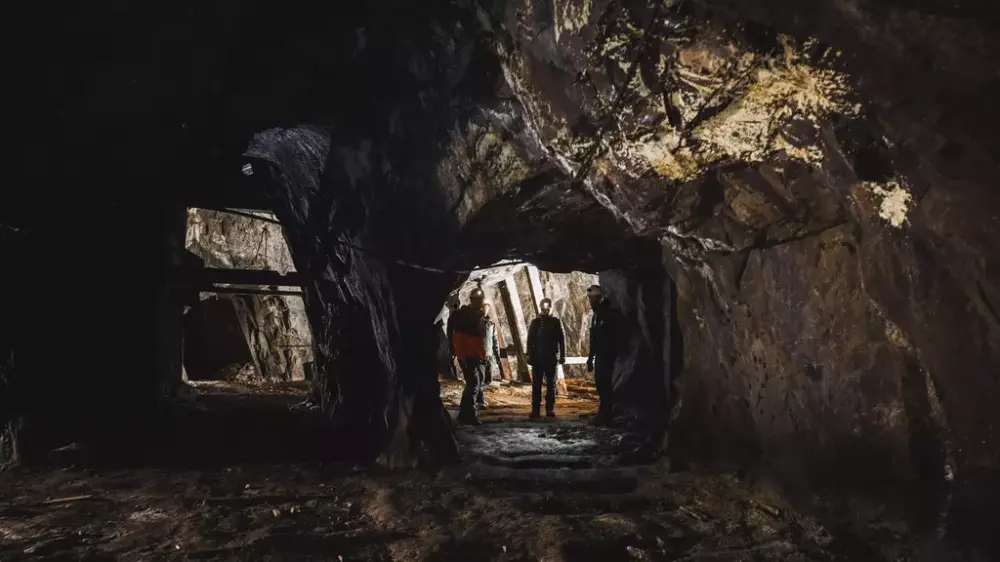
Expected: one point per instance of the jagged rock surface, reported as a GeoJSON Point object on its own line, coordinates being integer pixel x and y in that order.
{"type": "Point", "coordinates": [826, 289]}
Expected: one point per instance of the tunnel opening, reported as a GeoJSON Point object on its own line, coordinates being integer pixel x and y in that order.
{"type": "Point", "coordinates": [247, 334]}
{"type": "Point", "coordinates": [512, 428]}
{"type": "Point", "coordinates": [247, 347]}
{"type": "Point", "coordinates": [512, 301]}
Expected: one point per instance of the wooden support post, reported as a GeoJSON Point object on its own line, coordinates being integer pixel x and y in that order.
{"type": "Point", "coordinates": [535, 280]}
{"type": "Point", "coordinates": [208, 276]}
{"type": "Point", "coordinates": [512, 305]}
{"type": "Point", "coordinates": [506, 371]}
{"type": "Point", "coordinates": [249, 291]}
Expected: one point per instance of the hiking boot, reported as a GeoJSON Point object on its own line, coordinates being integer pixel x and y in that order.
{"type": "Point", "coordinates": [533, 416]}
{"type": "Point", "coordinates": [550, 414]}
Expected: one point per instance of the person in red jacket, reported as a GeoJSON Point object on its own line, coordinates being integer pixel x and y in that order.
{"type": "Point", "coordinates": [469, 345]}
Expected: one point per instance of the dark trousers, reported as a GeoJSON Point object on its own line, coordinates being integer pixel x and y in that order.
{"type": "Point", "coordinates": [474, 371]}
{"type": "Point", "coordinates": [548, 374]}
{"type": "Point", "coordinates": [604, 371]}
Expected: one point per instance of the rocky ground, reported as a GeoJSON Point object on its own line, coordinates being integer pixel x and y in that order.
{"type": "Point", "coordinates": [548, 490]}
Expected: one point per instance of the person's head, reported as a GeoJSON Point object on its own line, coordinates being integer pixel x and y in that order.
{"type": "Point", "coordinates": [477, 299]}
{"type": "Point", "coordinates": [545, 306]}
{"type": "Point", "coordinates": [595, 295]}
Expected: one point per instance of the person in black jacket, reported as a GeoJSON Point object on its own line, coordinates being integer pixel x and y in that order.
{"type": "Point", "coordinates": [546, 349]}
{"type": "Point", "coordinates": [604, 336]}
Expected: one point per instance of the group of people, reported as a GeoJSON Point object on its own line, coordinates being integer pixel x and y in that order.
{"type": "Point", "coordinates": [473, 338]}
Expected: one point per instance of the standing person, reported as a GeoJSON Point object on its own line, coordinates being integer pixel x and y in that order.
{"type": "Point", "coordinates": [445, 356]}
{"type": "Point", "coordinates": [469, 344]}
{"type": "Point", "coordinates": [603, 351]}
{"type": "Point", "coordinates": [453, 304]}
{"type": "Point", "coordinates": [546, 349]}
{"type": "Point", "coordinates": [493, 349]}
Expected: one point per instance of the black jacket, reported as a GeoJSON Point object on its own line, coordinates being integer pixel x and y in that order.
{"type": "Point", "coordinates": [605, 332]}
{"type": "Point", "coordinates": [546, 341]}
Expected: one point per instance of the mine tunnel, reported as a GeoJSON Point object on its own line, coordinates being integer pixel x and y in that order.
{"type": "Point", "coordinates": [230, 266]}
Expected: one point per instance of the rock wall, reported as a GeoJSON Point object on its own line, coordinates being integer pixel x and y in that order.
{"type": "Point", "coordinates": [759, 160]}
{"type": "Point", "coordinates": [275, 327]}
{"type": "Point", "coordinates": [642, 377]}
{"type": "Point", "coordinates": [835, 295]}
{"type": "Point", "coordinates": [568, 292]}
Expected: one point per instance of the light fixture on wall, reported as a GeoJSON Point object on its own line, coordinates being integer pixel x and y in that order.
{"type": "Point", "coordinates": [247, 169]}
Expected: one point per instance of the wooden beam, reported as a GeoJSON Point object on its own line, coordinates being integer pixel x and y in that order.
{"type": "Point", "coordinates": [249, 291]}
{"type": "Point", "coordinates": [535, 280]}
{"type": "Point", "coordinates": [515, 315]}
{"type": "Point", "coordinates": [209, 276]}
{"type": "Point", "coordinates": [506, 371]}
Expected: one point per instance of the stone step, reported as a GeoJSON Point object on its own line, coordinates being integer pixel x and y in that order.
{"type": "Point", "coordinates": [539, 460]}
{"type": "Point", "coordinates": [534, 480]}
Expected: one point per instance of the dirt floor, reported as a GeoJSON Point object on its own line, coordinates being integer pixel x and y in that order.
{"type": "Point", "coordinates": [549, 490]}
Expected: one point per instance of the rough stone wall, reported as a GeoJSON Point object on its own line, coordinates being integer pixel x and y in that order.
{"type": "Point", "coordinates": [640, 378]}
{"type": "Point", "coordinates": [275, 327]}
{"type": "Point", "coordinates": [59, 383]}
{"type": "Point", "coordinates": [568, 292]}
{"type": "Point", "coordinates": [812, 206]}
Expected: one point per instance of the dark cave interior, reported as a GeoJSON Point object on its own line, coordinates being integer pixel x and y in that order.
{"type": "Point", "coordinates": [794, 207]}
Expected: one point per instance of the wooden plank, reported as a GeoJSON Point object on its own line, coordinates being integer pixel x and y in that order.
{"type": "Point", "coordinates": [249, 291]}
{"type": "Point", "coordinates": [512, 304]}
{"type": "Point", "coordinates": [209, 276]}
{"type": "Point", "coordinates": [506, 371]}
{"type": "Point", "coordinates": [535, 280]}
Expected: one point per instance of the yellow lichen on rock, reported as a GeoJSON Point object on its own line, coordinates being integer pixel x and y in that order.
{"type": "Point", "coordinates": [895, 335]}
{"type": "Point", "coordinates": [894, 200]}
{"type": "Point", "coordinates": [763, 102]}
{"type": "Point", "coordinates": [745, 129]}
{"type": "Point", "coordinates": [571, 16]}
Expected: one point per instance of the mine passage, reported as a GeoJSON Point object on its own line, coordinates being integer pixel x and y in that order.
{"type": "Point", "coordinates": [552, 281]}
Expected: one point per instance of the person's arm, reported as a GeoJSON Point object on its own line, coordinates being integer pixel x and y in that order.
{"type": "Point", "coordinates": [562, 342]}
{"type": "Point", "coordinates": [593, 348]}
{"type": "Point", "coordinates": [532, 334]}
{"type": "Point", "coordinates": [451, 331]}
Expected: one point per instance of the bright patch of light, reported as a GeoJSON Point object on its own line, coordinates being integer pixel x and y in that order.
{"type": "Point", "coordinates": [247, 169]}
